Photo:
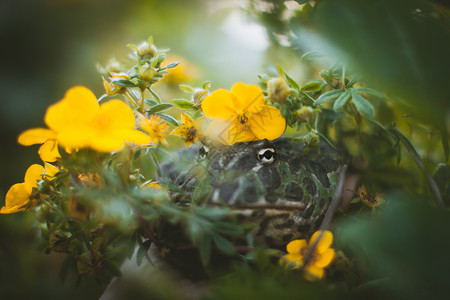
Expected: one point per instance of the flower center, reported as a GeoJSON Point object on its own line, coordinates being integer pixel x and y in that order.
{"type": "Point", "coordinates": [242, 118]}
{"type": "Point", "coordinates": [191, 134]}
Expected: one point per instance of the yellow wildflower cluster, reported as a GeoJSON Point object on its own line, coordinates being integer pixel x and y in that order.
{"type": "Point", "coordinates": [321, 256]}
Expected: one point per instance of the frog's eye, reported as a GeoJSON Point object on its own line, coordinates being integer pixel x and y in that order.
{"type": "Point", "coordinates": [266, 155]}
{"type": "Point", "coordinates": [203, 151]}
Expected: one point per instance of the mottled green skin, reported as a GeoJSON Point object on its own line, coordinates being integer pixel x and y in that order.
{"type": "Point", "coordinates": [285, 196]}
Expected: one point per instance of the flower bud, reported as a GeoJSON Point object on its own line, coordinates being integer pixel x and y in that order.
{"type": "Point", "coordinates": [312, 139]}
{"type": "Point", "coordinates": [111, 88]}
{"type": "Point", "coordinates": [198, 96]}
{"type": "Point", "coordinates": [146, 51]}
{"type": "Point", "coordinates": [304, 114]}
{"type": "Point", "coordinates": [148, 74]}
{"type": "Point", "coordinates": [278, 90]}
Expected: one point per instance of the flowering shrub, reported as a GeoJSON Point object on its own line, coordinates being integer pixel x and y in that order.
{"type": "Point", "coordinates": [100, 196]}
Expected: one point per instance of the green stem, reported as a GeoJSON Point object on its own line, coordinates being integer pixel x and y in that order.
{"type": "Point", "coordinates": [141, 107]}
{"type": "Point", "coordinates": [130, 98]}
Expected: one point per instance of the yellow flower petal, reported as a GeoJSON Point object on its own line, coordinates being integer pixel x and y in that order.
{"type": "Point", "coordinates": [33, 174]}
{"type": "Point", "coordinates": [115, 114]}
{"type": "Point", "coordinates": [325, 241]}
{"type": "Point", "coordinates": [75, 137]}
{"type": "Point", "coordinates": [107, 141]}
{"type": "Point", "coordinates": [249, 97]}
{"type": "Point", "coordinates": [325, 258]}
{"type": "Point", "coordinates": [135, 136]}
{"type": "Point", "coordinates": [296, 246]}
{"type": "Point", "coordinates": [78, 106]}
{"type": "Point", "coordinates": [186, 119]}
{"type": "Point", "coordinates": [293, 260]}
{"type": "Point", "coordinates": [179, 131]}
{"type": "Point", "coordinates": [313, 273]}
{"type": "Point", "coordinates": [35, 136]}
{"type": "Point", "coordinates": [49, 151]}
{"type": "Point", "coordinates": [16, 197]}
{"type": "Point", "coordinates": [220, 104]}
{"type": "Point", "coordinates": [50, 170]}
{"type": "Point", "coordinates": [268, 123]}
{"type": "Point", "coordinates": [239, 133]}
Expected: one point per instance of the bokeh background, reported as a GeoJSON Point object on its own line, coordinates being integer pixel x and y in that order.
{"type": "Point", "coordinates": [48, 46]}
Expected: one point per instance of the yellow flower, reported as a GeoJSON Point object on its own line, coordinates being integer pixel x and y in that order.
{"type": "Point", "coordinates": [49, 149]}
{"type": "Point", "coordinates": [188, 131]}
{"type": "Point", "coordinates": [242, 115]}
{"type": "Point", "coordinates": [322, 256]}
{"type": "Point", "coordinates": [18, 197]}
{"type": "Point", "coordinates": [155, 127]}
{"type": "Point", "coordinates": [78, 121]}
{"type": "Point", "coordinates": [370, 200]}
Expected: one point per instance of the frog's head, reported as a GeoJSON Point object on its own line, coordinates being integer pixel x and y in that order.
{"type": "Point", "coordinates": [280, 185]}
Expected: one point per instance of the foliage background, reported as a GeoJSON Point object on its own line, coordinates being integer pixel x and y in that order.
{"type": "Point", "coordinates": [49, 46]}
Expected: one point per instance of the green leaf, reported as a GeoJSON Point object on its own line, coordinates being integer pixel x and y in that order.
{"type": "Point", "coordinates": [204, 248]}
{"type": "Point", "coordinates": [328, 96]}
{"type": "Point", "coordinates": [291, 81]}
{"type": "Point", "coordinates": [160, 107]}
{"type": "Point", "coordinates": [364, 107]}
{"type": "Point", "coordinates": [150, 102]}
{"type": "Point", "coordinates": [311, 55]}
{"type": "Point", "coordinates": [155, 95]}
{"type": "Point", "coordinates": [123, 83]}
{"type": "Point", "coordinates": [264, 77]}
{"type": "Point", "coordinates": [312, 86]}
{"type": "Point", "coordinates": [368, 91]}
{"type": "Point", "coordinates": [206, 85]}
{"type": "Point", "coordinates": [183, 104]}
{"type": "Point", "coordinates": [342, 100]}
{"type": "Point", "coordinates": [169, 119]}
{"type": "Point", "coordinates": [143, 252]}
{"type": "Point", "coordinates": [223, 244]}
{"type": "Point", "coordinates": [186, 88]}
{"type": "Point", "coordinates": [171, 66]}
{"type": "Point", "coordinates": [442, 177]}
{"type": "Point", "coordinates": [444, 139]}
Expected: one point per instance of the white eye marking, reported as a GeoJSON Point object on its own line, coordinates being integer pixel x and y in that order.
{"type": "Point", "coordinates": [266, 155]}
{"type": "Point", "coordinates": [203, 151]}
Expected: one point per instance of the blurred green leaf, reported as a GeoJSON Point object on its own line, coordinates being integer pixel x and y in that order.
{"type": "Point", "coordinates": [123, 83]}
{"type": "Point", "coordinates": [368, 91]}
{"type": "Point", "coordinates": [312, 86]}
{"type": "Point", "coordinates": [330, 95]}
{"type": "Point", "coordinates": [160, 107]}
{"type": "Point", "coordinates": [186, 88]}
{"type": "Point", "coordinates": [169, 119]}
{"type": "Point", "coordinates": [364, 107]}
{"type": "Point", "coordinates": [342, 100]}
{"type": "Point", "coordinates": [183, 104]}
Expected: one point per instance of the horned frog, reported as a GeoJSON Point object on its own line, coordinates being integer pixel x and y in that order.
{"type": "Point", "coordinates": [283, 187]}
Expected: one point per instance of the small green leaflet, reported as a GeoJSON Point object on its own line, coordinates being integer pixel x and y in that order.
{"type": "Point", "coordinates": [160, 107]}
{"type": "Point", "coordinates": [183, 104]}
{"type": "Point", "coordinates": [342, 100]}
{"type": "Point", "coordinates": [328, 96]}
{"type": "Point", "coordinates": [364, 107]}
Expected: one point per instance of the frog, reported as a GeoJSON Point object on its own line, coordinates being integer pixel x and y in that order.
{"type": "Point", "coordinates": [282, 188]}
